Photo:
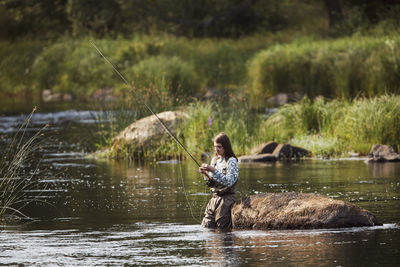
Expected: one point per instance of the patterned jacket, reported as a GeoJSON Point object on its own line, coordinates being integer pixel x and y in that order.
{"type": "Point", "coordinates": [226, 172]}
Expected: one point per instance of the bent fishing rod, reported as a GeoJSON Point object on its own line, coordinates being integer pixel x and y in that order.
{"type": "Point", "coordinates": [147, 106]}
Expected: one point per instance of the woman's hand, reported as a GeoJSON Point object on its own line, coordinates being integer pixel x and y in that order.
{"type": "Point", "coordinates": [204, 168]}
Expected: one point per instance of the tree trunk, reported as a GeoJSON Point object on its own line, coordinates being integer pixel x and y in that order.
{"type": "Point", "coordinates": [334, 10]}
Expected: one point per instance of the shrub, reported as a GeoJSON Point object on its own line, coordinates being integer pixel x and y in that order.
{"type": "Point", "coordinates": [172, 76]}
{"type": "Point", "coordinates": [345, 68]}
{"type": "Point", "coordinates": [370, 121]}
{"type": "Point", "coordinates": [16, 61]}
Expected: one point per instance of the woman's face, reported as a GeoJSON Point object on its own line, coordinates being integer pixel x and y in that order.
{"type": "Point", "coordinates": [219, 149]}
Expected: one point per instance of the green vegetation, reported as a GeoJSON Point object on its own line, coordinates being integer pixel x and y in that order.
{"type": "Point", "coordinates": [326, 128]}
{"type": "Point", "coordinates": [15, 182]}
{"type": "Point", "coordinates": [244, 51]}
{"type": "Point", "coordinates": [180, 68]}
{"type": "Point", "coordinates": [331, 48]}
{"type": "Point", "coordinates": [343, 68]}
{"type": "Point", "coordinates": [335, 128]}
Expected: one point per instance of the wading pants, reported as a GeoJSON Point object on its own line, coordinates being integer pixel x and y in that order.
{"type": "Point", "coordinates": [218, 212]}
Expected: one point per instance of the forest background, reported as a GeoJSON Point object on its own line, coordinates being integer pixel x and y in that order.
{"type": "Point", "coordinates": [339, 59]}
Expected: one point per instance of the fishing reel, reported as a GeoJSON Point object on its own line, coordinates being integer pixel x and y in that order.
{"type": "Point", "coordinates": [210, 183]}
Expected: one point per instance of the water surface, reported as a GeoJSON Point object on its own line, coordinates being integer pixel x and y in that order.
{"type": "Point", "coordinates": [120, 212]}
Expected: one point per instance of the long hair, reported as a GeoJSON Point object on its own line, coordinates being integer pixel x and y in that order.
{"type": "Point", "coordinates": [223, 139]}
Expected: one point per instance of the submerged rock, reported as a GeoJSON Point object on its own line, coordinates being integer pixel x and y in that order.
{"type": "Point", "coordinates": [298, 211]}
{"type": "Point", "coordinates": [383, 153]}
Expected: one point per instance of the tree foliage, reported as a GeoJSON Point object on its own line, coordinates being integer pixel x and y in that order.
{"type": "Point", "coordinates": [191, 18]}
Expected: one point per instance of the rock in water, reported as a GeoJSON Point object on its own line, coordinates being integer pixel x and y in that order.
{"type": "Point", "coordinates": [383, 153]}
{"type": "Point", "coordinates": [298, 211]}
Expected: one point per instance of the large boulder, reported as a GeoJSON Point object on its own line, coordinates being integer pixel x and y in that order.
{"type": "Point", "coordinates": [264, 148]}
{"type": "Point", "coordinates": [273, 151]}
{"type": "Point", "coordinates": [298, 211]}
{"type": "Point", "coordinates": [149, 130]}
{"type": "Point", "coordinates": [287, 151]}
{"type": "Point", "coordinates": [383, 153]}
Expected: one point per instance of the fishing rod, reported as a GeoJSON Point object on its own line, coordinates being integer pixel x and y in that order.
{"type": "Point", "coordinates": [147, 106]}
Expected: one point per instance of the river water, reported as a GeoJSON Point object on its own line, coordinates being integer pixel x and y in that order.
{"type": "Point", "coordinates": [100, 212]}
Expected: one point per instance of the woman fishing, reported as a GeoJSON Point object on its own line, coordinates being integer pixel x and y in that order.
{"type": "Point", "coordinates": [223, 173]}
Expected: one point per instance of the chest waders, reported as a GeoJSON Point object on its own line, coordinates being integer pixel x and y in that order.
{"type": "Point", "coordinates": [218, 210]}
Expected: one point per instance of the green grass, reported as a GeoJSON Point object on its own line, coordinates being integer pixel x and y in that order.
{"type": "Point", "coordinates": [181, 68]}
{"type": "Point", "coordinates": [326, 128]}
{"type": "Point", "coordinates": [14, 181]}
{"type": "Point", "coordinates": [341, 68]}
{"type": "Point", "coordinates": [336, 127]}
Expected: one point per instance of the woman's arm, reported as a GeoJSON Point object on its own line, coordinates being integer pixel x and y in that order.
{"type": "Point", "coordinates": [232, 173]}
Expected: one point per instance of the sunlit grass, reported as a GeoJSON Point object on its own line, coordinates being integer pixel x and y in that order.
{"type": "Point", "coordinates": [326, 128]}
{"type": "Point", "coordinates": [340, 68]}
{"type": "Point", "coordinates": [14, 181]}
{"type": "Point", "coordinates": [337, 127]}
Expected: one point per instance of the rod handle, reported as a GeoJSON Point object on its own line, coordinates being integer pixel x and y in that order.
{"type": "Point", "coordinates": [207, 176]}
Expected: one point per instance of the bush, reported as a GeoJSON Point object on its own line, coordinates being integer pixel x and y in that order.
{"type": "Point", "coordinates": [336, 127]}
{"type": "Point", "coordinates": [16, 61]}
{"type": "Point", "coordinates": [75, 67]}
{"type": "Point", "coordinates": [306, 117]}
{"type": "Point", "coordinates": [172, 76]}
{"type": "Point", "coordinates": [370, 121]}
{"type": "Point", "coordinates": [345, 68]}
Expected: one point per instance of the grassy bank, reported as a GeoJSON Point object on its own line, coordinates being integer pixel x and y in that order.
{"type": "Point", "coordinates": [326, 128]}
{"type": "Point", "coordinates": [336, 127]}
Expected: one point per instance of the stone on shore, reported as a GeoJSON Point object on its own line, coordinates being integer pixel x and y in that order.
{"type": "Point", "coordinates": [287, 151]}
{"type": "Point", "coordinates": [298, 211]}
{"type": "Point", "coordinates": [272, 151]}
{"type": "Point", "coordinates": [148, 130]}
{"type": "Point", "coordinates": [49, 96]}
{"type": "Point", "coordinates": [383, 153]}
{"type": "Point", "coordinates": [264, 148]}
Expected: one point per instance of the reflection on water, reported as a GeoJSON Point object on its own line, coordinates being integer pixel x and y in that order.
{"type": "Point", "coordinates": [176, 244]}
{"type": "Point", "coordinates": [119, 212]}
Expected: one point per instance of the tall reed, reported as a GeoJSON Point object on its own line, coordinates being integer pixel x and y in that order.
{"type": "Point", "coordinates": [15, 182]}
{"type": "Point", "coordinates": [370, 121]}
{"type": "Point", "coordinates": [337, 127]}
{"type": "Point", "coordinates": [326, 128]}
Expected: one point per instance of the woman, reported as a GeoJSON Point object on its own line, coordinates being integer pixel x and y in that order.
{"type": "Point", "coordinates": [223, 173]}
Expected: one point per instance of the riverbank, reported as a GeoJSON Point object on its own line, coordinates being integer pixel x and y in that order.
{"type": "Point", "coordinates": [327, 128]}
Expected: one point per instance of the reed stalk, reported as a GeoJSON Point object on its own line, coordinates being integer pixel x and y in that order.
{"type": "Point", "coordinates": [15, 180]}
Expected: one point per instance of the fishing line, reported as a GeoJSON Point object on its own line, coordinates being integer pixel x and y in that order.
{"type": "Point", "coordinates": [185, 192]}
{"type": "Point", "coordinates": [152, 112]}
{"type": "Point", "coordinates": [147, 105]}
